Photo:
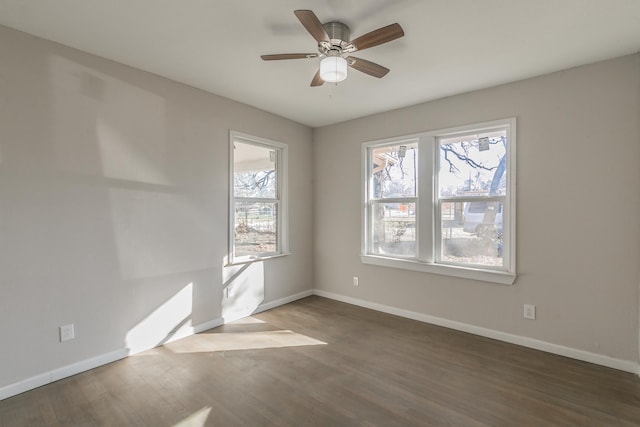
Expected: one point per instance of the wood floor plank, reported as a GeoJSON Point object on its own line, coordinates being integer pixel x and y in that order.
{"type": "Point", "coordinates": [318, 362]}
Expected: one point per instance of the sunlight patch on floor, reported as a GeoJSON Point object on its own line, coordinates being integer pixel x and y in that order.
{"type": "Point", "coordinates": [197, 419]}
{"type": "Point", "coordinates": [229, 341]}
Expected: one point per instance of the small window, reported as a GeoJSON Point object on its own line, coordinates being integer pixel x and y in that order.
{"type": "Point", "coordinates": [443, 202]}
{"type": "Point", "coordinates": [257, 208]}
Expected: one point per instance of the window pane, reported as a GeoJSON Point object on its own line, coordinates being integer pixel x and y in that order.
{"type": "Point", "coordinates": [394, 229]}
{"type": "Point", "coordinates": [394, 170]}
{"type": "Point", "coordinates": [473, 165]}
{"type": "Point", "coordinates": [255, 228]}
{"type": "Point", "coordinates": [472, 233]}
{"type": "Point", "coordinates": [254, 171]}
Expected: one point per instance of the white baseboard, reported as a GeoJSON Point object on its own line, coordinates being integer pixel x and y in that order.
{"type": "Point", "coordinates": [586, 356]}
{"type": "Point", "coordinates": [59, 373]}
{"type": "Point", "coordinates": [283, 301]}
{"type": "Point", "coordinates": [94, 362]}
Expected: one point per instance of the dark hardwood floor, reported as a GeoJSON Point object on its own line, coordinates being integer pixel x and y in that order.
{"type": "Point", "coordinates": [318, 362]}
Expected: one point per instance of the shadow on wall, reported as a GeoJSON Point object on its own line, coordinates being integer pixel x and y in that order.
{"type": "Point", "coordinates": [107, 201]}
{"type": "Point", "coordinates": [130, 144]}
{"type": "Point", "coordinates": [118, 138]}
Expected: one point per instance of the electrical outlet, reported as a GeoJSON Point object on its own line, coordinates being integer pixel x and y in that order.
{"type": "Point", "coordinates": [67, 333]}
{"type": "Point", "coordinates": [529, 311]}
{"type": "Point", "coordinates": [355, 281]}
{"type": "Point", "coordinates": [231, 291]}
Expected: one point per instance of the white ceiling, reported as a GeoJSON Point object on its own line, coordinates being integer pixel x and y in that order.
{"type": "Point", "coordinates": [450, 46]}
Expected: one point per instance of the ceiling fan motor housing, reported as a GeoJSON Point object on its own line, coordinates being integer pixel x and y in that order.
{"type": "Point", "coordinates": [339, 34]}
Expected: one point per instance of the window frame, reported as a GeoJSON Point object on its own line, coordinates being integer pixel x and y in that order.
{"type": "Point", "coordinates": [428, 207]}
{"type": "Point", "coordinates": [280, 200]}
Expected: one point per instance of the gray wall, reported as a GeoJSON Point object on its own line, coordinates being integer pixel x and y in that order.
{"type": "Point", "coordinates": [113, 205]}
{"type": "Point", "coordinates": [578, 228]}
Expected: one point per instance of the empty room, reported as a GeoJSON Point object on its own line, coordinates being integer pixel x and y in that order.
{"type": "Point", "coordinates": [320, 213]}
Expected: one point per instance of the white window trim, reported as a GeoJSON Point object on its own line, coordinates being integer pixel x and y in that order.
{"type": "Point", "coordinates": [425, 223]}
{"type": "Point", "coordinates": [282, 190]}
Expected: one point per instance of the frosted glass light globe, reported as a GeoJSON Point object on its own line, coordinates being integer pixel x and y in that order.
{"type": "Point", "coordinates": [333, 69]}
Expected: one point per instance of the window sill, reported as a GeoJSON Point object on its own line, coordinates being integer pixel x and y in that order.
{"type": "Point", "coordinates": [501, 277]}
{"type": "Point", "coordinates": [249, 260]}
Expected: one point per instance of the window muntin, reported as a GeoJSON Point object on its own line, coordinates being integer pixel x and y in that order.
{"type": "Point", "coordinates": [459, 199]}
{"type": "Point", "coordinates": [257, 198]}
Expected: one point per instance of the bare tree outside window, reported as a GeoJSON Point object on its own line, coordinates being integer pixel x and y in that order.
{"type": "Point", "coordinates": [472, 187]}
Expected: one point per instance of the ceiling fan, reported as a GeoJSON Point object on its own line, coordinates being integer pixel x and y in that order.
{"type": "Point", "coordinates": [334, 43]}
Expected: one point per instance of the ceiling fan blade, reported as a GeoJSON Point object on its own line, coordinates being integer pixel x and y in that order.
{"type": "Point", "coordinates": [317, 80]}
{"type": "Point", "coordinates": [379, 36]}
{"type": "Point", "coordinates": [313, 25]}
{"type": "Point", "coordinates": [279, 56]}
{"type": "Point", "coordinates": [367, 67]}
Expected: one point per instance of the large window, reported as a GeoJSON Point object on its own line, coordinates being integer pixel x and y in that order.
{"type": "Point", "coordinates": [258, 198]}
{"type": "Point", "coordinates": [443, 202]}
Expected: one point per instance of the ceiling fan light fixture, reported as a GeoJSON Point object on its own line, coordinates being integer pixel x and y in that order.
{"type": "Point", "coordinates": [333, 69]}
{"type": "Point", "coordinates": [334, 41]}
